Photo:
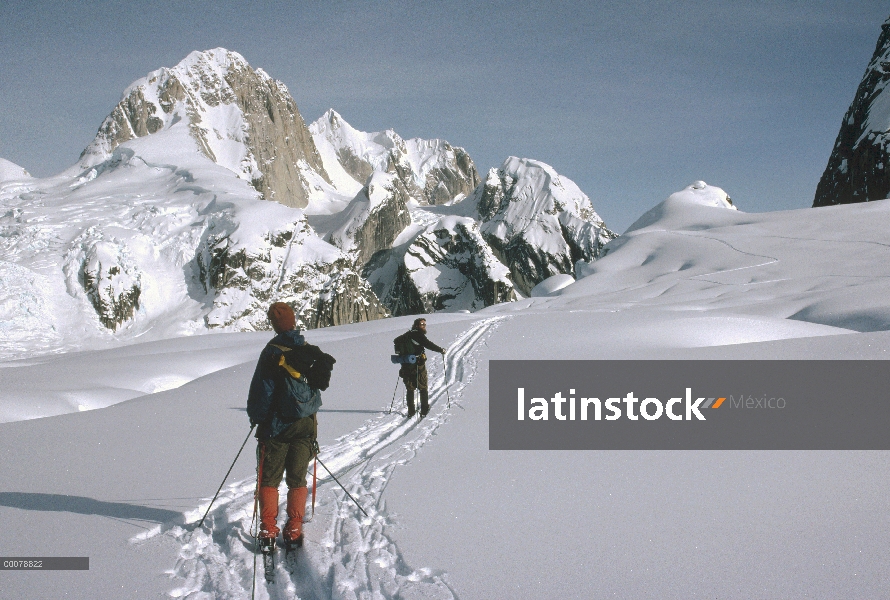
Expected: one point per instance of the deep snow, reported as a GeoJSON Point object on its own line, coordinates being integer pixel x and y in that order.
{"type": "Point", "coordinates": [448, 518]}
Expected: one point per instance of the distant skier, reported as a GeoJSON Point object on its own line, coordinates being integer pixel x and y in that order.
{"type": "Point", "coordinates": [414, 375]}
{"type": "Point", "coordinates": [283, 401]}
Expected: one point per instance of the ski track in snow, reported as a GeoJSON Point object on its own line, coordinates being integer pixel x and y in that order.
{"type": "Point", "coordinates": [352, 558]}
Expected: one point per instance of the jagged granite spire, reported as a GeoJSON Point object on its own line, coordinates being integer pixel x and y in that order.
{"type": "Point", "coordinates": [238, 116]}
{"type": "Point", "coordinates": [859, 167]}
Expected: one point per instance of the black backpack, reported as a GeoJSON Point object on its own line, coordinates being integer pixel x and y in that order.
{"type": "Point", "coordinates": [404, 345]}
{"type": "Point", "coordinates": [309, 361]}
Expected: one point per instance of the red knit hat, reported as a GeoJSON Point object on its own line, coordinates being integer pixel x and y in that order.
{"type": "Point", "coordinates": [282, 317]}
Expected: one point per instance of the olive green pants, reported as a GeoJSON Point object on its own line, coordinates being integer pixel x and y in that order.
{"type": "Point", "coordinates": [414, 376]}
{"type": "Point", "coordinates": [290, 451]}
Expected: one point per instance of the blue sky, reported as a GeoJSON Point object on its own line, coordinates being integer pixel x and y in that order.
{"type": "Point", "coordinates": [631, 100]}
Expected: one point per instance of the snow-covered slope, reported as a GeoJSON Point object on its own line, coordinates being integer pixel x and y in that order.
{"type": "Point", "coordinates": [858, 169]}
{"type": "Point", "coordinates": [240, 118]}
{"type": "Point", "coordinates": [9, 171]}
{"type": "Point", "coordinates": [126, 485]}
{"type": "Point", "coordinates": [824, 267]}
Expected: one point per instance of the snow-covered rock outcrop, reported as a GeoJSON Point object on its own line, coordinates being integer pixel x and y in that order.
{"type": "Point", "coordinates": [240, 118]}
{"type": "Point", "coordinates": [681, 206]}
{"type": "Point", "coordinates": [432, 171]}
{"type": "Point", "coordinates": [109, 276]}
{"type": "Point", "coordinates": [538, 222]}
{"type": "Point", "coordinates": [374, 218]}
{"type": "Point", "coordinates": [448, 266]}
{"type": "Point", "coordinates": [858, 169]}
{"type": "Point", "coordinates": [246, 267]}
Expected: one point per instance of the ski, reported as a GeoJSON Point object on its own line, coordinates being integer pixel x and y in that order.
{"type": "Point", "coordinates": [291, 555]}
{"type": "Point", "coordinates": [267, 546]}
{"type": "Point", "coordinates": [291, 546]}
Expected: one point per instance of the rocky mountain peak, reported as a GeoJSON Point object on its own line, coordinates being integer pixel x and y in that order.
{"type": "Point", "coordinates": [539, 223]}
{"type": "Point", "coordinates": [433, 171]}
{"type": "Point", "coordinates": [238, 117]}
{"type": "Point", "coordinates": [858, 169]}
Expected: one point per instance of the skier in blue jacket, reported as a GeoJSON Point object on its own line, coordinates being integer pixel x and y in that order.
{"type": "Point", "coordinates": [284, 409]}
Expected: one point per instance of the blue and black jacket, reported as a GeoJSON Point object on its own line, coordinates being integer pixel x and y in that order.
{"type": "Point", "coordinates": [271, 399]}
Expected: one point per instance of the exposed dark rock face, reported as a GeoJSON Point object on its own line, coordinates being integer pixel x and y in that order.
{"type": "Point", "coordinates": [346, 298]}
{"type": "Point", "coordinates": [111, 282]}
{"type": "Point", "coordinates": [859, 167]}
{"type": "Point", "coordinates": [447, 267]}
{"type": "Point", "coordinates": [356, 167]}
{"type": "Point", "coordinates": [289, 264]}
{"type": "Point", "coordinates": [538, 223]}
{"type": "Point", "coordinates": [374, 219]}
{"type": "Point", "coordinates": [226, 105]}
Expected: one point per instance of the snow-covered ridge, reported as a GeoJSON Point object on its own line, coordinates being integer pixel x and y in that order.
{"type": "Point", "coordinates": [538, 222]}
{"type": "Point", "coordinates": [433, 171]}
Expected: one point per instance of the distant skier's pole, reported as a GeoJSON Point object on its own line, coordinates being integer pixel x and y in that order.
{"type": "Point", "coordinates": [227, 476]}
{"type": "Point", "coordinates": [341, 485]}
{"type": "Point", "coordinates": [445, 375]}
{"type": "Point", "coordinates": [391, 404]}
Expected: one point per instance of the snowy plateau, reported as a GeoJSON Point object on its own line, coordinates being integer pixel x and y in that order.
{"type": "Point", "coordinates": [132, 289]}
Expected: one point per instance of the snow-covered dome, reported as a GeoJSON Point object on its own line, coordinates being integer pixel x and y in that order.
{"type": "Point", "coordinates": [701, 193]}
{"type": "Point", "coordinates": [552, 284]}
{"type": "Point", "coordinates": [684, 207]}
{"type": "Point", "coordinates": [10, 171]}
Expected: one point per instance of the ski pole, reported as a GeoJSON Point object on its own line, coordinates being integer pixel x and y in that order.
{"type": "Point", "coordinates": [391, 404]}
{"type": "Point", "coordinates": [226, 477]}
{"type": "Point", "coordinates": [341, 485]}
{"type": "Point", "coordinates": [256, 499]}
{"type": "Point", "coordinates": [445, 375]}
